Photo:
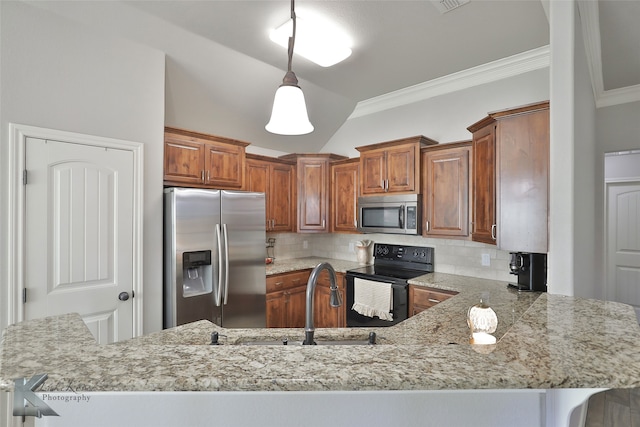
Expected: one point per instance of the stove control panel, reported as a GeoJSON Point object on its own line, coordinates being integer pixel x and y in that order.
{"type": "Point", "coordinates": [419, 254]}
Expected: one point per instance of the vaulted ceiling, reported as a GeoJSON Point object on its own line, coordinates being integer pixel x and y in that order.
{"type": "Point", "coordinates": [396, 44]}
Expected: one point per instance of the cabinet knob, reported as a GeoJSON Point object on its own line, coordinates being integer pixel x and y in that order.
{"type": "Point", "coordinates": [123, 296]}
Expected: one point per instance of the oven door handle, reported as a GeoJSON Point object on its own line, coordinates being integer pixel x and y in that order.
{"type": "Point", "coordinates": [401, 216]}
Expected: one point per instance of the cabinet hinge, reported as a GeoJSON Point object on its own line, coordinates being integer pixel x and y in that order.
{"type": "Point", "coordinates": [24, 177]}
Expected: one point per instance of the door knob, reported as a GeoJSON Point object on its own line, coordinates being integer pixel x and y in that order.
{"type": "Point", "coordinates": [123, 296]}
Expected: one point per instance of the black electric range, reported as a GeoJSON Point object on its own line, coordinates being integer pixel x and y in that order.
{"type": "Point", "coordinates": [393, 264]}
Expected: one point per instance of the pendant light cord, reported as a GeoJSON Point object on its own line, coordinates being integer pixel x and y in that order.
{"type": "Point", "coordinates": [292, 39]}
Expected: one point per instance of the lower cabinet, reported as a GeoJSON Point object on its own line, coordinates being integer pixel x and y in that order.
{"type": "Point", "coordinates": [422, 298]}
{"type": "Point", "coordinates": [325, 316]}
{"type": "Point", "coordinates": [286, 301]}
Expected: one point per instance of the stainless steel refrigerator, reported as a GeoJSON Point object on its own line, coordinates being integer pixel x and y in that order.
{"type": "Point", "coordinates": [214, 245]}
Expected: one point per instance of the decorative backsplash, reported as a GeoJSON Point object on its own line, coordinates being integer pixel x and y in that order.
{"type": "Point", "coordinates": [451, 256]}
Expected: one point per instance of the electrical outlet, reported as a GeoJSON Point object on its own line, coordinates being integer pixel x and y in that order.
{"type": "Point", "coordinates": [352, 246]}
{"type": "Point", "coordinates": [305, 244]}
{"type": "Point", "coordinates": [486, 260]}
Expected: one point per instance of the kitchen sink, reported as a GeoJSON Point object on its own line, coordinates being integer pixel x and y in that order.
{"type": "Point", "coordinates": [370, 340]}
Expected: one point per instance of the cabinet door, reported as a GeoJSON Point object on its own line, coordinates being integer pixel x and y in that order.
{"type": "Point", "coordinates": [281, 197]}
{"type": "Point", "coordinates": [324, 315]}
{"type": "Point", "coordinates": [484, 186]}
{"type": "Point", "coordinates": [295, 307]}
{"type": "Point", "coordinates": [224, 165]}
{"type": "Point", "coordinates": [183, 161]}
{"type": "Point", "coordinates": [373, 172]}
{"type": "Point", "coordinates": [344, 197]}
{"type": "Point", "coordinates": [276, 310]}
{"type": "Point", "coordinates": [313, 194]}
{"type": "Point", "coordinates": [446, 192]}
{"type": "Point", "coordinates": [401, 169]}
{"type": "Point", "coordinates": [523, 182]}
{"type": "Point", "coordinates": [257, 179]}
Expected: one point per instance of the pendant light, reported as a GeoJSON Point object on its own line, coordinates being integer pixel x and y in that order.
{"type": "Point", "coordinates": [289, 113]}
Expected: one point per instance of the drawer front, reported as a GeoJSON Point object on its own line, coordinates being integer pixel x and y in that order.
{"type": "Point", "coordinates": [323, 280]}
{"type": "Point", "coordinates": [279, 282]}
{"type": "Point", "coordinates": [428, 297]}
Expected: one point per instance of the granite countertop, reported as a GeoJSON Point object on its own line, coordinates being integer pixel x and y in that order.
{"type": "Point", "coordinates": [544, 341]}
{"type": "Point", "coordinates": [295, 264]}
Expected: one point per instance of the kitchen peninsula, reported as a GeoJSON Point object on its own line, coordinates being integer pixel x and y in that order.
{"type": "Point", "coordinates": [544, 342]}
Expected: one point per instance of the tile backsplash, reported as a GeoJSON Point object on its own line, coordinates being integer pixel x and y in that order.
{"type": "Point", "coordinates": [451, 256]}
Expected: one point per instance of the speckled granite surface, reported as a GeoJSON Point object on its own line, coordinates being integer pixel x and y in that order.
{"type": "Point", "coordinates": [287, 265]}
{"type": "Point", "coordinates": [544, 341]}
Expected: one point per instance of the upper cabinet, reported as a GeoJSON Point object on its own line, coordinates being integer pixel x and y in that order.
{"type": "Point", "coordinates": [345, 188]}
{"type": "Point", "coordinates": [511, 178]}
{"type": "Point", "coordinates": [201, 160]}
{"type": "Point", "coordinates": [483, 227]}
{"type": "Point", "coordinates": [446, 181]}
{"type": "Point", "coordinates": [392, 167]}
{"type": "Point", "coordinates": [313, 190]}
{"type": "Point", "coordinates": [275, 178]}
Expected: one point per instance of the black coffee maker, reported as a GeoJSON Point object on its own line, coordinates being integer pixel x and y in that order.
{"type": "Point", "coordinates": [531, 270]}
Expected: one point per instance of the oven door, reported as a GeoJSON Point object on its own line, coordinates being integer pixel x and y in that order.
{"type": "Point", "coordinates": [399, 312]}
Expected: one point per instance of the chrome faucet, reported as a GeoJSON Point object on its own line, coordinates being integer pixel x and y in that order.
{"type": "Point", "coordinates": [335, 298]}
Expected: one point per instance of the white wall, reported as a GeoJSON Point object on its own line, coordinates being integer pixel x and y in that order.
{"type": "Point", "coordinates": [618, 127]}
{"type": "Point", "coordinates": [56, 73]}
{"type": "Point", "coordinates": [588, 176]}
{"type": "Point", "coordinates": [561, 260]}
{"type": "Point", "coordinates": [444, 118]}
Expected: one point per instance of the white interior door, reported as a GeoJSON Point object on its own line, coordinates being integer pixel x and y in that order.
{"type": "Point", "coordinates": [79, 235]}
{"type": "Point", "coordinates": [623, 243]}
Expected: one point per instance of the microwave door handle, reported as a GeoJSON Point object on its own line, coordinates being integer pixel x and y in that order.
{"type": "Point", "coordinates": [401, 216]}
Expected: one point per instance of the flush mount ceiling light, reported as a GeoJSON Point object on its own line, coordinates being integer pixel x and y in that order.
{"type": "Point", "coordinates": [289, 113]}
{"type": "Point", "coordinates": [318, 40]}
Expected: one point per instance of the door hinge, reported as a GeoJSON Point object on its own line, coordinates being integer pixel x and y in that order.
{"type": "Point", "coordinates": [24, 295]}
{"type": "Point", "coordinates": [24, 177]}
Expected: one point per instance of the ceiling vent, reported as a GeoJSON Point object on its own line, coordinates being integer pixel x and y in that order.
{"type": "Point", "coordinates": [445, 6]}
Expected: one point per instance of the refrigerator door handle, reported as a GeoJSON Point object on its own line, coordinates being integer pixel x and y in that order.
{"type": "Point", "coordinates": [226, 262]}
{"type": "Point", "coordinates": [218, 291]}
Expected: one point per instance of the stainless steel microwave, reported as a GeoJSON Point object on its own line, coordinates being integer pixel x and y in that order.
{"type": "Point", "coordinates": [398, 214]}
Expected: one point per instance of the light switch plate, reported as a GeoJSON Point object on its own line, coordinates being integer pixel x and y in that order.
{"type": "Point", "coordinates": [305, 244]}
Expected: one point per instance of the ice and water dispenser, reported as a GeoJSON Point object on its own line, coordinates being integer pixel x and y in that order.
{"type": "Point", "coordinates": [196, 273]}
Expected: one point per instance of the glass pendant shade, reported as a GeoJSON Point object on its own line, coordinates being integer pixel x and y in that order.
{"type": "Point", "coordinates": [289, 113]}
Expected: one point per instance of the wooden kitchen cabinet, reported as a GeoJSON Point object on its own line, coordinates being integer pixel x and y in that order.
{"type": "Point", "coordinates": [345, 188]}
{"type": "Point", "coordinates": [286, 299]}
{"type": "Point", "coordinates": [201, 160]}
{"type": "Point", "coordinates": [392, 167]}
{"type": "Point", "coordinates": [275, 178]}
{"type": "Point", "coordinates": [446, 190]}
{"type": "Point", "coordinates": [422, 298]}
{"type": "Point", "coordinates": [483, 218]}
{"type": "Point", "coordinates": [312, 191]}
{"type": "Point", "coordinates": [522, 178]}
{"type": "Point", "coordinates": [511, 178]}
{"type": "Point", "coordinates": [325, 316]}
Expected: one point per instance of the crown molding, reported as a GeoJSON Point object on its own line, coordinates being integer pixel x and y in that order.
{"type": "Point", "coordinates": [496, 70]}
{"type": "Point", "coordinates": [623, 95]}
{"type": "Point", "coordinates": [590, 19]}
